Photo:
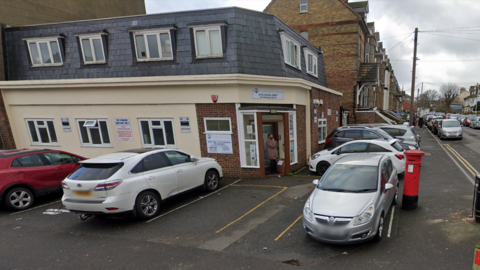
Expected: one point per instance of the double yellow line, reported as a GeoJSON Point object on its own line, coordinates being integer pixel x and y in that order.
{"type": "Point", "coordinates": [465, 163]}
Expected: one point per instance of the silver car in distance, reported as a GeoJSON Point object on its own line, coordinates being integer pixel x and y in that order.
{"type": "Point", "coordinates": [350, 202]}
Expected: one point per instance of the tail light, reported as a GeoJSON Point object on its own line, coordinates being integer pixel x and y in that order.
{"type": "Point", "coordinates": [64, 185]}
{"type": "Point", "coordinates": [328, 140]}
{"type": "Point", "coordinates": [436, 125]}
{"type": "Point", "coordinates": [108, 185]}
{"type": "Point", "coordinates": [400, 157]}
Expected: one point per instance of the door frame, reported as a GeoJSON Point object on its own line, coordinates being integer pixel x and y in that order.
{"type": "Point", "coordinates": [261, 144]}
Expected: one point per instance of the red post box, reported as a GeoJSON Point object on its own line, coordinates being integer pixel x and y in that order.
{"type": "Point", "coordinates": [411, 182]}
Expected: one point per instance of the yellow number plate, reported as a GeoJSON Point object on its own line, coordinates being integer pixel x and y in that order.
{"type": "Point", "coordinates": [83, 193]}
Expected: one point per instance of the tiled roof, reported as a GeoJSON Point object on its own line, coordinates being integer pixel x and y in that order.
{"type": "Point", "coordinates": [368, 72]}
{"type": "Point", "coordinates": [358, 4]}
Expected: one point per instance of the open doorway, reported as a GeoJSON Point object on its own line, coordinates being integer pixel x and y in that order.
{"type": "Point", "coordinates": [273, 127]}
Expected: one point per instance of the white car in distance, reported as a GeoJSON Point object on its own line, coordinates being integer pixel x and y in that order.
{"type": "Point", "coordinates": [322, 160]}
{"type": "Point", "coordinates": [136, 181]}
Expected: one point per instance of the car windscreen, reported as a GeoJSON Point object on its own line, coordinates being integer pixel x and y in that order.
{"type": "Point", "coordinates": [350, 178]}
{"type": "Point", "coordinates": [95, 171]}
{"type": "Point", "coordinates": [451, 124]}
{"type": "Point", "coordinates": [472, 117]}
{"type": "Point", "coordinates": [384, 134]}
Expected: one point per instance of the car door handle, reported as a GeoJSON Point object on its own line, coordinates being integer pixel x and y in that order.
{"type": "Point", "coordinates": [179, 170]}
{"type": "Point", "coordinates": [151, 177]}
{"type": "Point", "coordinates": [58, 169]}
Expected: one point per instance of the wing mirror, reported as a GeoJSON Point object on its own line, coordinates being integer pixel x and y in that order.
{"type": "Point", "coordinates": [315, 182]}
{"type": "Point", "coordinates": [193, 159]}
{"type": "Point", "coordinates": [388, 186]}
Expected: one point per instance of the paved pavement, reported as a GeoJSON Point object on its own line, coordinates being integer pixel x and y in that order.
{"type": "Point", "coordinates": [253, 224]}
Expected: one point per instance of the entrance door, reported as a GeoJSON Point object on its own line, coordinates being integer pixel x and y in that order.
{"type": "Point", "coordinates": [267, 129]}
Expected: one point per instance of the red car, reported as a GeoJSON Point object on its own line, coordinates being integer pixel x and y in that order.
{"type": "Point", "coordinates": [26, 174]}
{"type": "Point", "coordinates": [468, 119]}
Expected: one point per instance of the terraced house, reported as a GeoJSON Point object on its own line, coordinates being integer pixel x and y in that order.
{"type": "Point", "coordinates": [213, 83]}
{"type": "Point", "coordinates": [355, 61]}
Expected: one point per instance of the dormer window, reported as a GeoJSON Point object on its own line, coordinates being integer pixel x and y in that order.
{"type": "Point", "coordinates": [312, 62]}
{"type": "Point", "coordinates": [303, 6]}
{"type": "Point", "coordinates": [45, 52]}
{"type": "Point", "coordinates": [208, 41]}
{"type": "Point", "coordinates": [291, 50]}
{"type": "Point", "coordinates": [92, 49]}
{"type": "Point", "coordinates": [153, 45]}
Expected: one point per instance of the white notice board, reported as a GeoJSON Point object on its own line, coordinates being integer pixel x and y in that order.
{"type": "Point", "coordinates": [219, 143]}
{"type": "Point", "coordinates": [124, 129]}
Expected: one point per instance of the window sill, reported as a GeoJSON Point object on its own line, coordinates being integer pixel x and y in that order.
{"type": "Point", "coordinates": [94, 63]}
{"type": "Point", "coordinates": [46, 144]}
{"type": "Point", "coordinates": [288, 64]}
{"type": "Point", "coordinates": [219, 132]}
{"type": "Point", "coordinates": [302, 12]}
{"type": "Point", "coordinates": [155, 60]}
{"type": "Point", "coordinates": [293, 163]}
{"type": "Point", "coordinates": [47, 65]}
{"type": "Point", "coordinates": [209, 57]}
{"type": "Point", "coordinates": [313, 75]}
{"type": "Point", "coordinates": [97, 146]}
{"type": "Point", "coordinates": [320, 142]}
{"type": "Point", "coordinates": [159, 147]}
{"type": "Point", "coordinates": [250, 167]}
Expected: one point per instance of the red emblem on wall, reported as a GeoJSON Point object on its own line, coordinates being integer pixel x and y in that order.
{"type": "Point", "coordinates": [477, 257]}
{"type": "Point", "coordinates": [214, 98]}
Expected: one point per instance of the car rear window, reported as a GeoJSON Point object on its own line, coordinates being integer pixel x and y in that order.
{"type": "Point", "coordinates": [92, 172]}
{"type": "Point", "coordinates": [384, 134]}
{"type": "Point", "coordinates": [354, 134]}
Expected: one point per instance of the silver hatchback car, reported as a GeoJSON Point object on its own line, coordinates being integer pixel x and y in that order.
{"type": "Point", "coordinates": [351, 200]}
{"type": "Point", "coordinates": [450, 128]}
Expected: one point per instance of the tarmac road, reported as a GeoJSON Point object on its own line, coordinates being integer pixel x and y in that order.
{"type": "Point", "coordinates": [253, 224]}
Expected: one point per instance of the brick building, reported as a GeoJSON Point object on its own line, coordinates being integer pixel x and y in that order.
{"type": "Point", "coordinates": [213, 83]}
{"type": "Point", "coordinates": [26, 12]}
{"type": "Point", "coordinates": [355, 61]}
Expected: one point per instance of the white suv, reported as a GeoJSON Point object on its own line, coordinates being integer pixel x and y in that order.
{"type": "Point", "coordinates": [136, 181]}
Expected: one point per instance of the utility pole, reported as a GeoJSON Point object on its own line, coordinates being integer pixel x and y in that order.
{"type": "Point", "coordinates": [413, 76]}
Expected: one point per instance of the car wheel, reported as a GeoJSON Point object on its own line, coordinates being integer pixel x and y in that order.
{"type": "Point", "coordinates": [147, 205]}
{"type": "Point", "coordinates": [211, 181]}
{"type": "Point", "coordinates": [378, 236]}
{"type": "Point", "coordinates": [395, 199]}
{"type": "Point", "coordinates": [19, 199]}
{"type": "Point", "coordinates": [322, 167]}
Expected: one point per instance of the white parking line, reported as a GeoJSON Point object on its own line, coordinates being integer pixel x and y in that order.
{"type": "Point", "coordinates": [150, 220]}
{"type": "Point", "coordinates": [391, 221]}
{"type": "Point", "coordinates": [30, 209]}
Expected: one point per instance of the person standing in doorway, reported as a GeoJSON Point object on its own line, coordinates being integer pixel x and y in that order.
{"type": "Point", "coordinates": [272, 152]}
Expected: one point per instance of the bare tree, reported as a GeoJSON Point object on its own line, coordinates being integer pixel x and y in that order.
{"type": "Point", "coordinates": [449, 91]}
{"type": "Point", "coordinates": [426, 99]}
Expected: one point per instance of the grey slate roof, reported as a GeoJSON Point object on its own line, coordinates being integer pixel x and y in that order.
{"type": "Point", "coordinates": [253, 46]}
{"type": "Point", "coordinates": [368, 72]}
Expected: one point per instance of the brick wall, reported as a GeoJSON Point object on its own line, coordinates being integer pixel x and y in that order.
{"type": "Point", "coordinates": [230, 162]}
{"type": "Point", "coordinates": [365, 117]}
{"type": "Point", "coordinates": [330, 101]}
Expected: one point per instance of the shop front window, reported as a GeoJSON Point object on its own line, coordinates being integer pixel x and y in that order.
{"type": "Point", "coordinates": [292, 131]}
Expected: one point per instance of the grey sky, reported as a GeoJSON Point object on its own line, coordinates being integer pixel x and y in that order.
{"type": "Point", "coordinates": [395, 19]}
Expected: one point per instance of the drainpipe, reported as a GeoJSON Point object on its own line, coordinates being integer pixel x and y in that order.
{"type": "Point", "coordinates": [355, 103]}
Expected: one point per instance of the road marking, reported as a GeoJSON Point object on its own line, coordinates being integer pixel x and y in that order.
{"type": "Point", "coordinates": [454, 161]}
{"type": "Point", "coordinates": [391, 221]}
{"type": "Point", "coordinates": [30, 209]}
{"type": "Point", "coordinates": [155, 218]}
{"type": "Point", "coordinates": [459, 156]}
{"type": "Point", "coordinates": [466, 166]}
{"type": "Point", "coordinates": [231, 223]}
{"type": "Point", "coordinates": [291, 225]}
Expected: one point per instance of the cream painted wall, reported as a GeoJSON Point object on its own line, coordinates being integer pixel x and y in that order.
{"type": "Point", "coordinates": [71, 142]}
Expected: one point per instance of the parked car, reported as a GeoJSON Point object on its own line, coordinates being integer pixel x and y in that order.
{"type": "Point", "coordinates": [450, 128]}
{"type": "Point", "coordinates": [322, 160]}
{"type": "Point", "coordinates": [461, 118]}
{"type": "Point", "coordinates": [475, 123]}
{"type": "Point", "coordinates": [435, 125]}
{"type": "Point", "coordinates": [27, 174]}
{"type": "Point", "coordinates": [351, 200]}
{"type": "Point", "coordinates": [136, 181]}
{"type": "Point", "coordinates": [453, 116]}
{"type": "Point", "coordinates": [404, 133]}
{"type": "Point", "coordinates": [469, 119]}
{"type": "Point", "coordinates": [341, 135]}
{"type": "Point", "coordinates": [430, 122]}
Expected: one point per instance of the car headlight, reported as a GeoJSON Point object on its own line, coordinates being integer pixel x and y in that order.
{"type": "Point", "coordinates": [364, 217]}
{"type": "Point", "coordinates": [315, 156]}
{"type": "Point", "coordinates": [307, 212]}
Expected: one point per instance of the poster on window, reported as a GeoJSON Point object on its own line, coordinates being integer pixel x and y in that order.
{"type": "Point", "coordinates": [185, 125]}
{"type": "Point", "coordinates": [219, 144]}
{"type": "Point", "coordinates": [124, 129]}
{"type": "Point", "coordinates": [253, 154]}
